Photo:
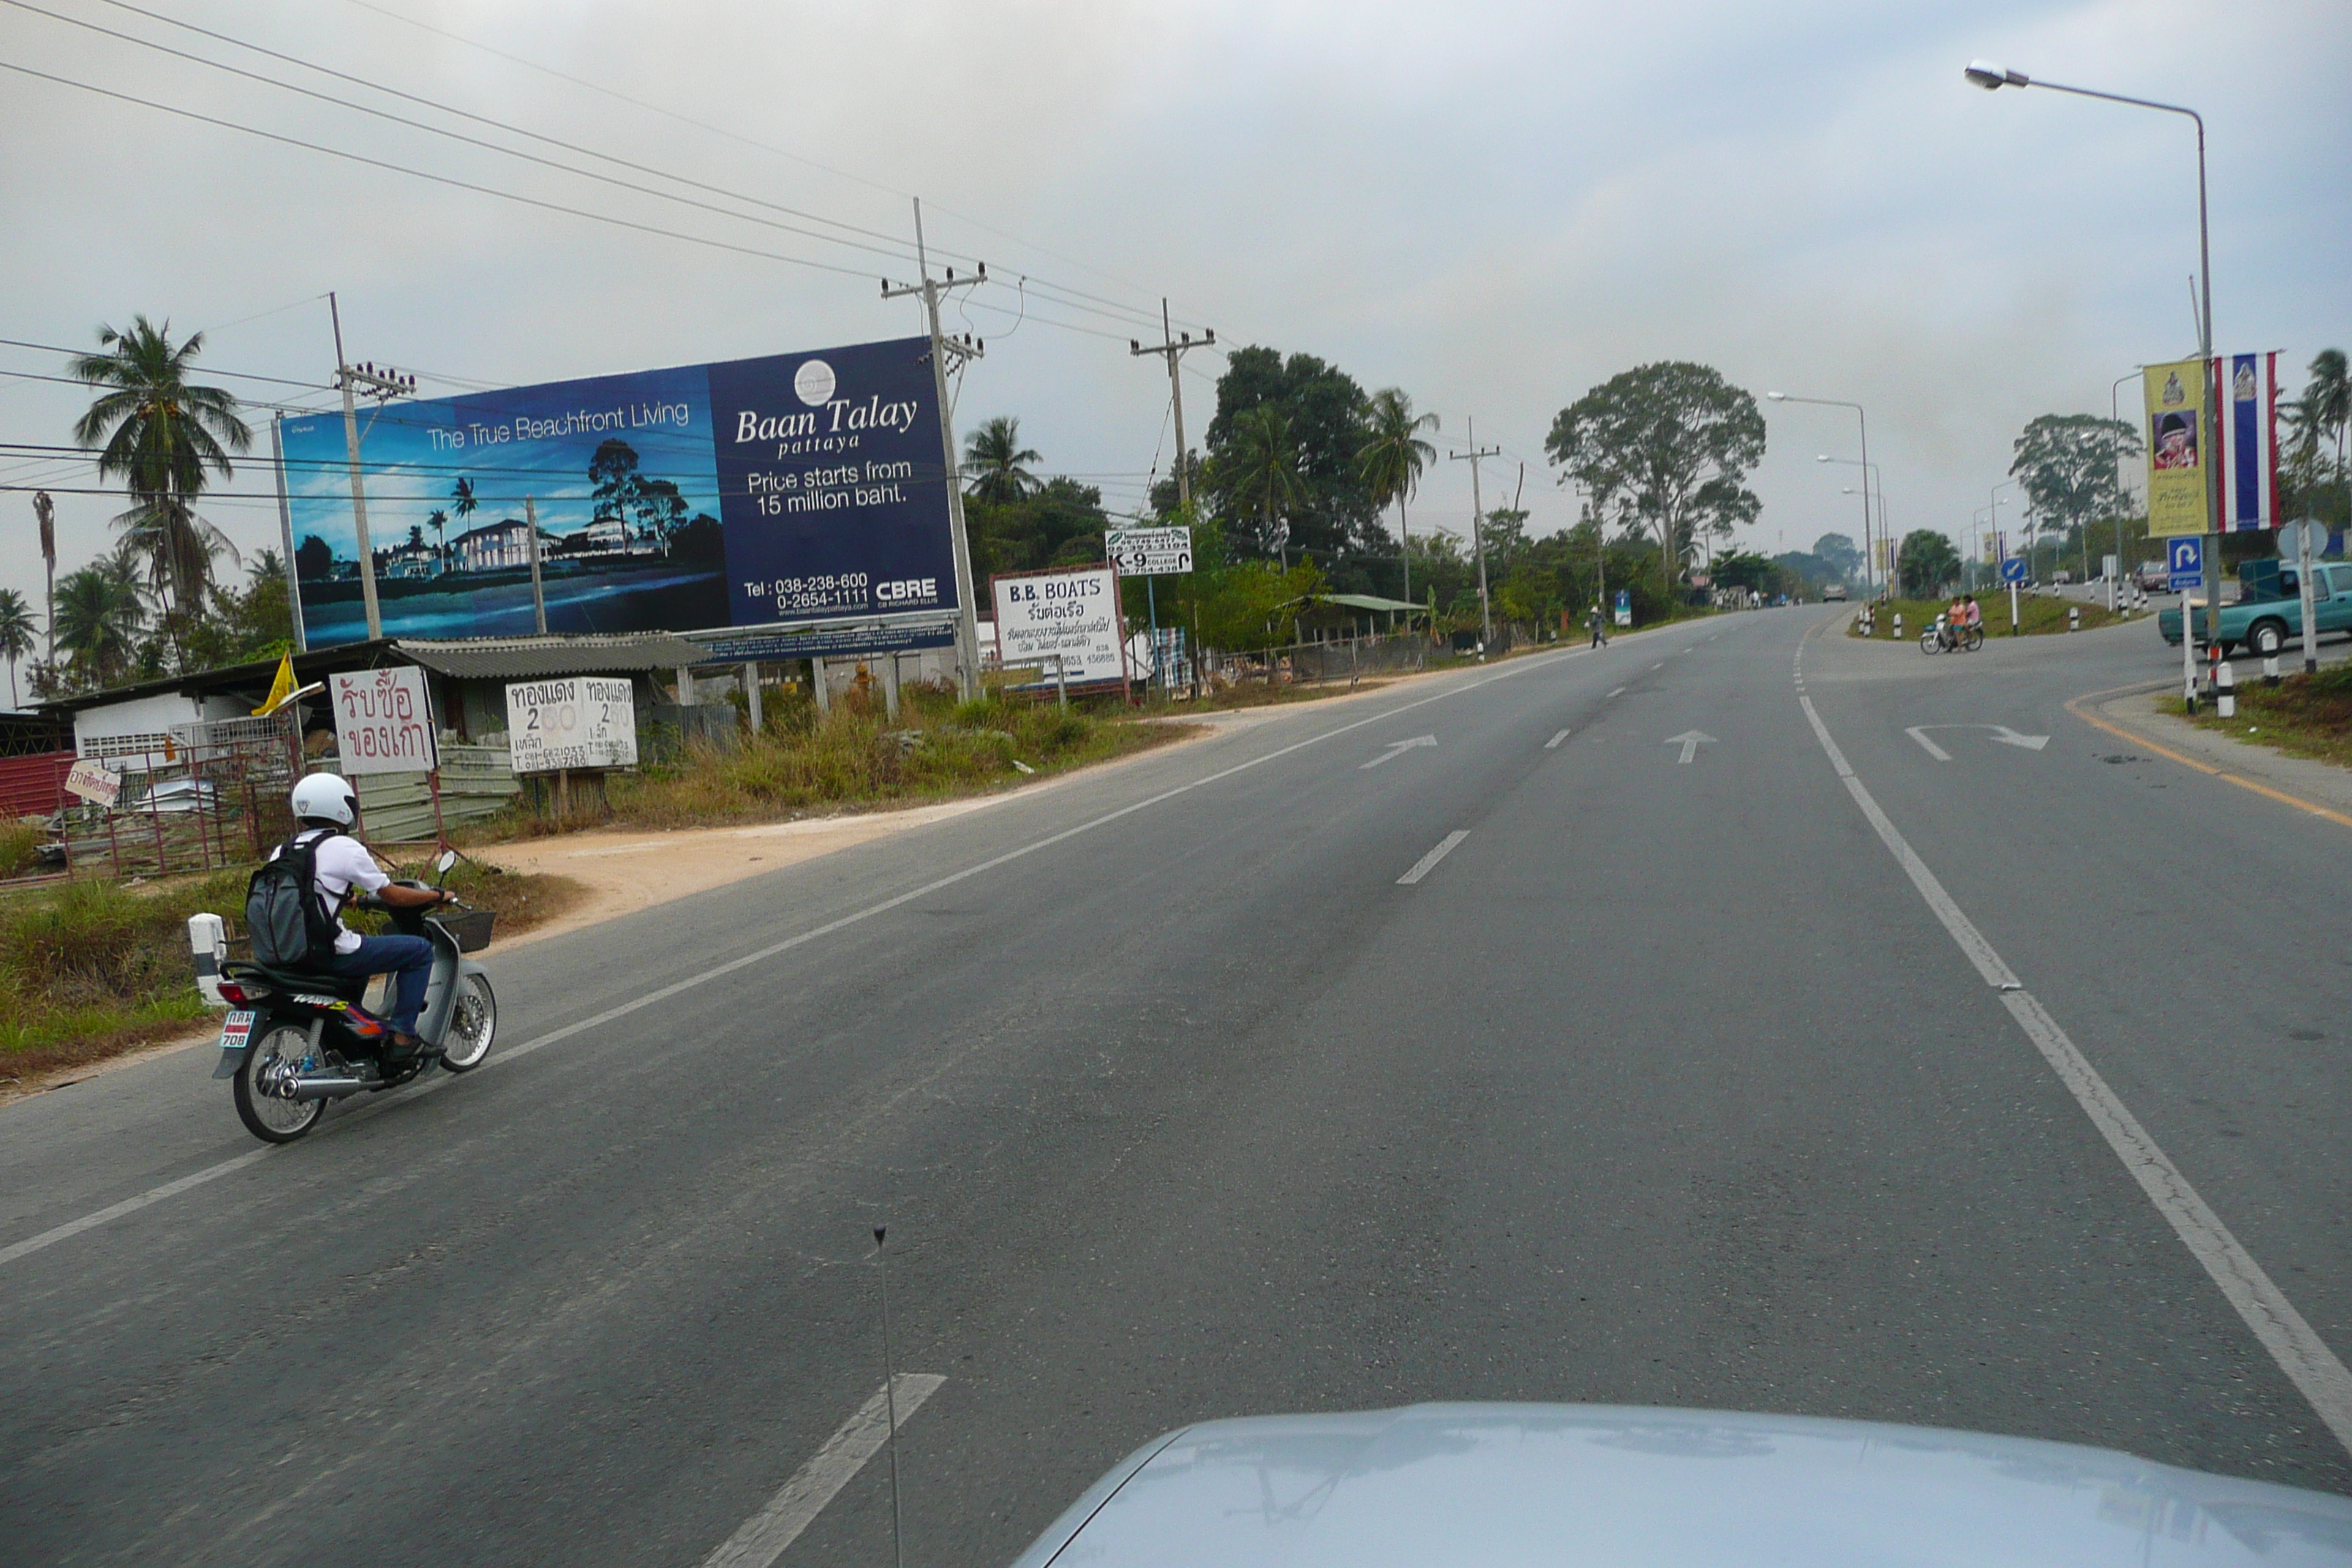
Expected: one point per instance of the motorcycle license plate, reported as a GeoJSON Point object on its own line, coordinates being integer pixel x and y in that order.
{"type": "Point", "coordinates": [237, 1031]}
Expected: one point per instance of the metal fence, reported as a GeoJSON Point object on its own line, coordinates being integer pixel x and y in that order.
{"type": "Point", "coordinates": [194, 798]}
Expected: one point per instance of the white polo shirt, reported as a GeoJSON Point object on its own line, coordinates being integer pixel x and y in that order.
{"type": "Point", "coordinates": [343, 864]}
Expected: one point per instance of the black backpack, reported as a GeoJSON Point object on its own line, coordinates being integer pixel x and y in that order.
{"type": "Point", "coordinates": [285, 913]}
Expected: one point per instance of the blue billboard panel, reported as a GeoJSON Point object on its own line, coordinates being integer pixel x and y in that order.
{"type": "Point", "coordinates": [792, 489]}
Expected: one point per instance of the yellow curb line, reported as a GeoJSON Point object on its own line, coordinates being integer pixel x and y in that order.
{"type": "Point", "coordinates": [2264, 790]}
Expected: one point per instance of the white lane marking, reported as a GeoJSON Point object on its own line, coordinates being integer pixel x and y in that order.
{"type": "Point", "coordinates": [172, 1189]}
{"type": "Point", "coordinates": [1660, 665]}
{"type": "Point", "coordinates": [1555, 740]}
{"type": "Point", "coordinates": [1690, 741]}
{"type": "Point", "coordinates": [1428, 863]}
{"type": "Point", "coordinates": [129, 1205]}
{"type": "Point", "coordinates": [762, 1538]}
{"type": "Point", "coordinates": [1614, 693]}
{"type": "Point", "coordinates": [1932, 749]}
{"type": "Point", "coordinates": [2291, 1341]}
{"type": "Point", "coordinates": [1398, 749]}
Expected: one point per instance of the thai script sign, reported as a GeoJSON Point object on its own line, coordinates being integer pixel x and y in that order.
{"type": "Point", "coordinates": [582, 721]}
{"type": "Point", "coordinates": [383, 721]}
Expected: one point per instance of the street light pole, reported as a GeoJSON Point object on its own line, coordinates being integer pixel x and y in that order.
{"type": "Point", "coordinates": [2114, 417]}
{"type": "Point", "coordinates": [1992, 78]}
{"type": "Point", "coordinates": [1864, 420]}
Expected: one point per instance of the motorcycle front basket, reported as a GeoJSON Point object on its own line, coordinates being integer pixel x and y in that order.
{"type": "Point", "coordinates": [471, 928]}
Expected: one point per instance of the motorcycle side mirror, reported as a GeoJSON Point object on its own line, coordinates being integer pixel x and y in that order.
{"type": "Point", "coordinates": [448, 857]}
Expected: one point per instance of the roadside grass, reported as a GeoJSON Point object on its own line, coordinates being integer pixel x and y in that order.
{"type": "Point", "coordinates": [2302, 716]}
{"type": "Point", "coordinates": [91, 968]}
{"type": "Point", "coordinates": [20, 847]}
{"type": "Point", "coordinates": [854, 756]}
{"type": "Point", "coordinates": [2038, 614]}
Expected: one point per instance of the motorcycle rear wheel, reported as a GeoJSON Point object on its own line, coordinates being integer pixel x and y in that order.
{"type": "Point", "coordinates": [266, 1117]}
{"type": "Point", "coordinates": [473, 1021]}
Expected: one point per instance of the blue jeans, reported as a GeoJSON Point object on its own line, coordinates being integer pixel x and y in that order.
{"type": "Point", "coordinates": [407, 959]}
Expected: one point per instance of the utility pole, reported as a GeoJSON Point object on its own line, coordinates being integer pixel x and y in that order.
{"type": "Point", "coordinates": [1478, 521]}
{"type": "Point", "coordinates": [963, 349]}
{"type": "Point", "coordinates": [1172, 349]}
{"type": "Point", "coordinates": [384, 386]}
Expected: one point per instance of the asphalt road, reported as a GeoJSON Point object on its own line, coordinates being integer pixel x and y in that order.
{"type": "Point", "coordinates": [1670, 1082]}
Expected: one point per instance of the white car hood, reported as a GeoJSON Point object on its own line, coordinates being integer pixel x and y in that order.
{"type": "Point", "coordinates": [1598, 1485]}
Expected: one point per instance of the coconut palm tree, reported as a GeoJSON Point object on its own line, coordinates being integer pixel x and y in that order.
{"type": "Point", "coordinates": [1261, 474]}
{"type": "Point", "coordinates": [2325, 408]}
{"type": "Point", "coordinates": [439, 522]}
{"type": "Point", "coordinates": [16, 631]}
{"type": "Point", "coordinates": [100, 618]}
{"type": "Point", "coordinates": [994, 459]}
{"type": "Point", "coordinates": [462, 500]}
{"type": "Point", "coordinates": [1393, 456]}
{"type": "Point", "coordinates": [164, 438]}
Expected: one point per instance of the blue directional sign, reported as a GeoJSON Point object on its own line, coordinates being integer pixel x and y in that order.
{"type": "Point", "coordinates": [2184, 561]}
{"type": "Point", "coordinates": [2012, 570]}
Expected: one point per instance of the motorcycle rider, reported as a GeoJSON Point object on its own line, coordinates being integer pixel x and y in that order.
{"type": "Point", "coordinates": [327, 806]}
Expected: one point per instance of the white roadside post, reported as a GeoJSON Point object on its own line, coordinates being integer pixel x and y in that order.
{"type": "Point", "coordinates": [208, 941]}
{"type": "Point", "coordinates": [2303, 532]}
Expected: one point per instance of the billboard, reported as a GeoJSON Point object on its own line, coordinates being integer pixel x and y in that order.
{"type": "Point", "coordinates": [789, 490]}
{"type": "Point", "coordinates": [1064, 623]}
{"type": "Point", "coordinates": [2177, 492]}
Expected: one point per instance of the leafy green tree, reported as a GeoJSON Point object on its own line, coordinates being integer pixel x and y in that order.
{"type": "Point", "coordinates": [995, 462]}
{"type": "Point", "coordinates": [165, 438]}
{"type": "Point", "coordinates": [1839, 558]}
{"type": "Point", "coordinates": [1927, 563]}
{"type": "Point", "coordinates": [1392, 457]}
{"type": "Point", "coordinates": [1664, 448]}
{"type": "Point", "coordinates": [2069, 466]}
{"type": "Point", "coordinates": [1257, 471]}
{"type": "Point", "coordinates": [1333, 514]}
{"type": "Point", "coordinates": [613, 478]}
{"type": "Point", "coordinates": [18, 629]}
{"type": "Point", "coordinates": [99, 617]}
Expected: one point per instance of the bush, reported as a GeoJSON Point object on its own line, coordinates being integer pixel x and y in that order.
{"type": "Point", "coordinates": [20, 847]}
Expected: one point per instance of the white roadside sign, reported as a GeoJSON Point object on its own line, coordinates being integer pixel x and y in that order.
{"type": "Point", "coordinates": [1150, 552]}
{"type": "Point", "coordinates": [580, 721]}
{"type": "Point", "coordinates": [1064, 624]}
{"type": "Point", "coordinates": [94, 782]}
{"type": "Point", "coordinates": [383, 721]}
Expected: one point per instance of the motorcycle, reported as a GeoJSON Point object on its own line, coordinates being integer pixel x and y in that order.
{"type": "Point", "coordinates": [1943, 637]}
{"type": "Point", "coordinates": [299, 1040]}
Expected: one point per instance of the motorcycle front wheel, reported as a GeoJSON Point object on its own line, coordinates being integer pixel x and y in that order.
{"type": "Point", "coordinates": [279, 1051]}
{"type": "Point", "coordinates": [1929, 642]}
{"type": "Point", "coordinates": [473, 1020]}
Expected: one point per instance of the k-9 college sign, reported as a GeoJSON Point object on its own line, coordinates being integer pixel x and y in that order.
{"type": "Point", "coordinates": [792, 489]}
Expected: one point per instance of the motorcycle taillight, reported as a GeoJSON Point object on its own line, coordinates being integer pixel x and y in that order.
{"type": "Point", "coordinates": [232, 992]}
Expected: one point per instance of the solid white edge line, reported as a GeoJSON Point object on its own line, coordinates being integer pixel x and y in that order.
{"type": "Point", "coordinates": [2293, 1344]}
{"type": "Point", "coordinates": [73, 1227]}
{"type": "Point", "coordinates": [760, 1539]}
{"type": "Point", "coordinates": [1428, 863]}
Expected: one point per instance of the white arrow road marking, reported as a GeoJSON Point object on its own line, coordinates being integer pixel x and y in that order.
{"type": "Point", "coordinates": [762, 1538]}
{"type": "Point", "coordinates": [1398, 749]}
{"type": "Point", "coordinates": [1690, 741]}
{"type": "Point", "coordinates": [1428, 863]}
{"type": "Point", "coordinates": [2002, 732]}
{"type": "Point", "coordinates": [1554, 742]}
{"type": "Point", "coordinates": [1933, 750]}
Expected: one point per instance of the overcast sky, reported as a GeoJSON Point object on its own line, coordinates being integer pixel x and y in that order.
{"type": "Point", "coordinates": [1493, 206]}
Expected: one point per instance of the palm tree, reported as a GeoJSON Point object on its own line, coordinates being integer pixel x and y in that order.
{"type": "Point", "coordinates": [2326, 406]}
{"type": "Point", "coordinates": [461, 499]}
{"type": "Point", "coordinates": [1262, 475]}
{"type": "Point", "coordinates": [44, 512]}
{"type": "Point", "coordinates": [166, 439]}
{"type": "Point", "coordinates": [994, 456]}
{"type": "Point", "coordinates": [439, 522]}
{"type": "Point", "coordinates": [99, 617]}
{"type": "Point", "coordinates": [1393, 456]}
{"type": "Point", "coordinates": [16, 629]}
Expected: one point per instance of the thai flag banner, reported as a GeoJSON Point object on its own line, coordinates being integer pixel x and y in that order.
{"type": "Point", "coordinates": [2245, 394]}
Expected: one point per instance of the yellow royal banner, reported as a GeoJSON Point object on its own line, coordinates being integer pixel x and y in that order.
{"type": "Point", "coordinates": [2178, 491]}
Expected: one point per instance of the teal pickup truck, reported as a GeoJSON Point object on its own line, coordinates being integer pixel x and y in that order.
{"type": "Point", "coordinates": [2269, 611]}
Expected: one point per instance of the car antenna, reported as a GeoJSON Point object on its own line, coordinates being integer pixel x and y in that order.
{"type": "Point", "coordinates": [890, 1400]}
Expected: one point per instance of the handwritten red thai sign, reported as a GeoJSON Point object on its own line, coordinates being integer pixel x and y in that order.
{"type": "Point", "coordinates": [383, 721]}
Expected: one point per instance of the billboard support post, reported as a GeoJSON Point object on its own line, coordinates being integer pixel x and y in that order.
{"type": "Point", "coordinates": [286, 532]}
{"type": "Point", "coordinates": [530, 537]}
{"type": "Point", "coordinates": [966, 616]}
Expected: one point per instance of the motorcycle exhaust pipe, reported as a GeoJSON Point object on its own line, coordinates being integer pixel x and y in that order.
{"type": "Point", "coordinates": [302, 1089]}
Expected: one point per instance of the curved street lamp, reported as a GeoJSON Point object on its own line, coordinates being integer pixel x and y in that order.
{"type": "Point", "coordinates": [1864, 418]}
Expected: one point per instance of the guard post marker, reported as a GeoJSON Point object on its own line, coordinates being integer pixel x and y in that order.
{"type": "Point", "coordinates": [2225, 690]}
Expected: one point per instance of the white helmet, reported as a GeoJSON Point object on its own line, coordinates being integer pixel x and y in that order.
{"type": "Point", "coordinates": [326, 797]}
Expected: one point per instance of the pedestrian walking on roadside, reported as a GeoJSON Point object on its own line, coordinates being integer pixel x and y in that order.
{"type": "Point", "coordinates": [1598, 623]}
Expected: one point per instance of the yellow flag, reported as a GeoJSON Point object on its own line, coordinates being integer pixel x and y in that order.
{"type": "Point", "coordinates": [2178, 497]}
{"type": "Point", "coordinates": [280, 688]}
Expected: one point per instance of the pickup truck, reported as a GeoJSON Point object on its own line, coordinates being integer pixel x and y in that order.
{"type": "Point", "coordinates": [2269, 611]}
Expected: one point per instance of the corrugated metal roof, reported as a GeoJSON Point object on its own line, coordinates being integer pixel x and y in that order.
{"type": "Point", "coordinates": [530, 658]}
